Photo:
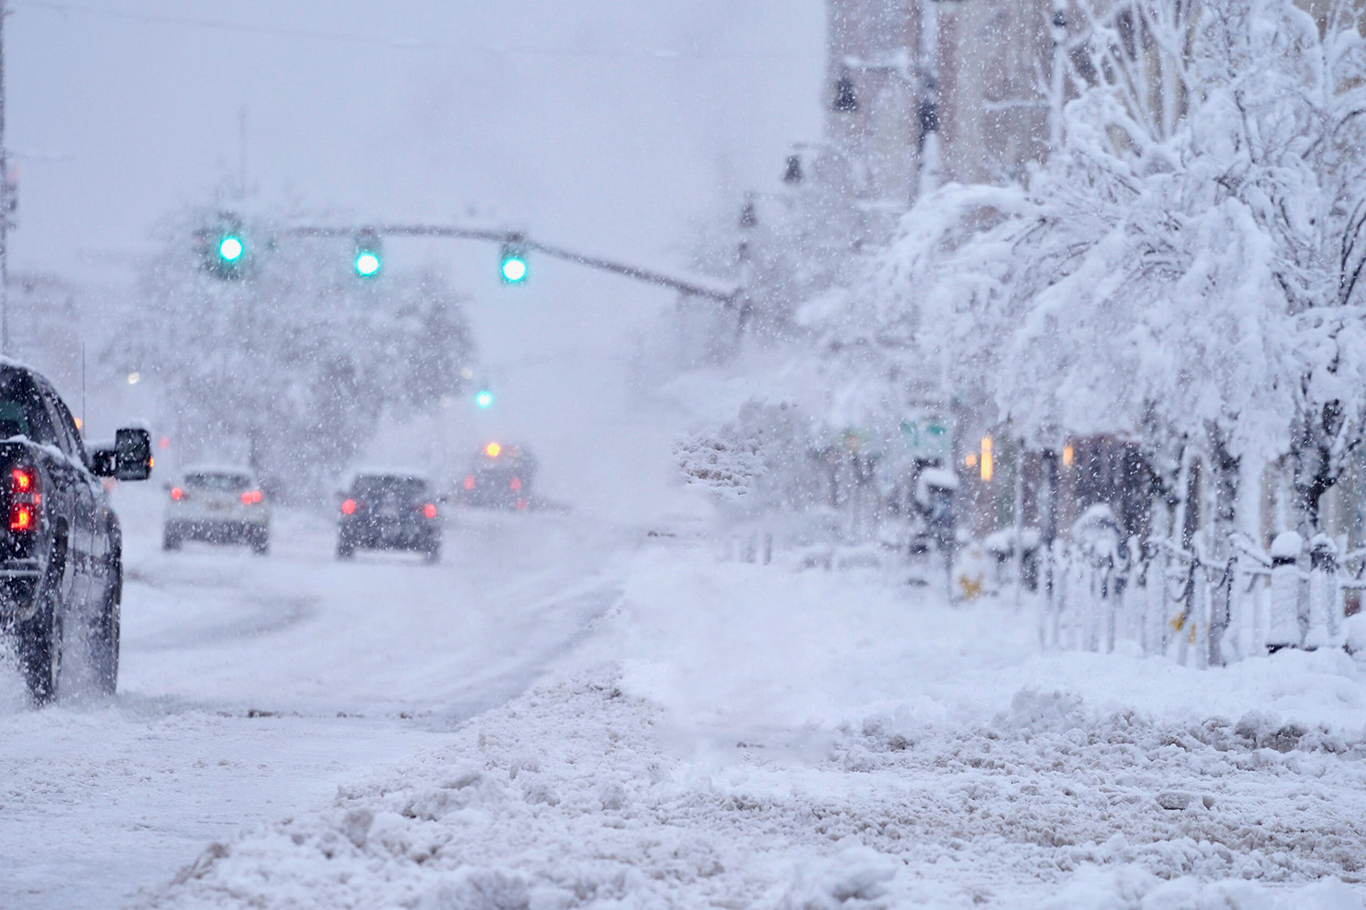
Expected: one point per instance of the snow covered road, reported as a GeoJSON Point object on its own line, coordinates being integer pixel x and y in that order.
{"type": "Point", "coordinates": [567, 714]}
{"type": "Point", "coordinates": [250, 687]}
{"type": "Point", "coordinates": [746, 736]}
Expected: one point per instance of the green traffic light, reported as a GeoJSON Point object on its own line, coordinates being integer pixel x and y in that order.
{"type": "Point", "coordinates": [230, 248]}
{"type": "Point", "coordinates": [514, 270]}
{"type": "Point", "coordinates": [484, 398]}
{"type": "Point", "coordinates": [367, 264]}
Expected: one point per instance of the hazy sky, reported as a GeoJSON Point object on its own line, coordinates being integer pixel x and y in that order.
{"type": "Point", "coordinates": [611, 126]}
{"type": "Point", "coordinates": [601, 123]}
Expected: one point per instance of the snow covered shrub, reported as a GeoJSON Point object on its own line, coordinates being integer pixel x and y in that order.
{"type": "Point", "coordinates": [758, 462]}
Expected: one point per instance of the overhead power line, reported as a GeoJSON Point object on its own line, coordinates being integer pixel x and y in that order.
{"type": "Point", "coordinates": [403, 44]}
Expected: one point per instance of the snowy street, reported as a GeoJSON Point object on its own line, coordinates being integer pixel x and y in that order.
{"type": "Point", "coordinates": [251, 686]}
{"type": "Point", "coordinates": [737, 735]}
{"type": "Point", "coordinates": [291, 731]}
{"type": "Point", "coordinates": [818, 455]}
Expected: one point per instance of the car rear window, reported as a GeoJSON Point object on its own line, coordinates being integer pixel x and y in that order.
{"type": "Point", "coordinates": [397, 487]}
{"type": "Point", "coordinates": [21, 409]}
{"type": "Point", "coordinates": [216, 482]}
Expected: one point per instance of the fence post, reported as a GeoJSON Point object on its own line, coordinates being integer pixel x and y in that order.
{"type": "Point", "coordinates": [1221, 610]}
{"type": "Point", "coordinates": [1324, 608]}
{"type": "Point", "coordinates": [1188, 617]}
{"type": "Point", "coordinates": [1283, 620]}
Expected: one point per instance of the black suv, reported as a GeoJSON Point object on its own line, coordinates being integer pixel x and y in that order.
{"type": "Point", "coordinates": [388, 512]}
{"type": "Point", "coordinates": [61, 566]}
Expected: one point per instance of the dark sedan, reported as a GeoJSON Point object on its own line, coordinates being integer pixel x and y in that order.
{"type": "Point", "coordinates": [388, 511]}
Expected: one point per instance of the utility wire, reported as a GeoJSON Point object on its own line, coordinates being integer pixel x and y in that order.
{"type": "Point", "coordinates": [400, 43]}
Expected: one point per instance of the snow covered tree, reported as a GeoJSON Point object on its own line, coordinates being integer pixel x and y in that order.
{"type": "Point", "coordinates": [1183, 268]}
{"type": "Point", "coordinates": [291, 365]}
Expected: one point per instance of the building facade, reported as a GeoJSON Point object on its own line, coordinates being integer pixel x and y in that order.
{"type": "Point", "coordinates": [921, 92]}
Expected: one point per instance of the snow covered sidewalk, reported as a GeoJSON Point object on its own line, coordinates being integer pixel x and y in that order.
{"type": "Point", "coordinates": [738, 736]}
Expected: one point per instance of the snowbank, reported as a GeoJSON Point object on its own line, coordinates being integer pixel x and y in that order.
{"type": "Point", "coordinates": [742, 736]}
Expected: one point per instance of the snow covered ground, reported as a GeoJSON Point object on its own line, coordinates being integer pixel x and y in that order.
{"type": "Point", "coordinates": [571, 712]}
{"type": "Point", "coordinates": [251, 686]}
{"type": "Point", "coordinates": [736, 735]}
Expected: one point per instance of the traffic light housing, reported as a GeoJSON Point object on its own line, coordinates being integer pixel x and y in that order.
{"type": "Point", "coordinates": [513, 265]}
{"type": "Point", "coordinates": [368, 260]}
{"type": "Point", "coordinates": [223, 248]}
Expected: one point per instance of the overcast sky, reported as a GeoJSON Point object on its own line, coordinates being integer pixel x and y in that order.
{"type": "Point", "coordinates": [609, 126]}
{"type": "Point", "coordinates": [601, 123]}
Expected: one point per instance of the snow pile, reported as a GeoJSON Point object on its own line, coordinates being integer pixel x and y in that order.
{"type": "Point", "coordinates": [740, 736]}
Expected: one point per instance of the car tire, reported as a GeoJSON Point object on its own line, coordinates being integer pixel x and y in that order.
{"type": "Point", "coordinates": [432, 554]}
{"type": "Point", "coordinates": [260, 541]}
{"type": "Point", "coordinates": [170, 539]}
{"type": "Point", "coordinates": [40, 642]}
{"type": "Point", "coordinates": [104, 638]}
{"type": "Point", "coordinates": [345, 549]}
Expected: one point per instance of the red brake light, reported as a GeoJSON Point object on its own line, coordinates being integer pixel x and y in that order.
{"type": "Point", "coordinates": [251, 496]}
{"type": "Point", "coordinates": [429, 510]}
{"type": "Point", "coordinates": [349, 507]}
{"type": "Point", "coordinates": [177, 493]}
{"type": "Point", "coordinates": [21, 518]}
{"type": "Point", "coordinates": [469, 481]}
{"type": "Point", "coordinates": [24, 498]}
{"type": "Point", "coordinates": [516, 484]}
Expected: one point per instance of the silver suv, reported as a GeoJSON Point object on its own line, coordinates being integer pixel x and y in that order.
{"type": "Point", "coordinates": [218, 505]}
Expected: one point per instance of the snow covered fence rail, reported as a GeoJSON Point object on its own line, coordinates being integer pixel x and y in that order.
{"type": "Point", "coordinates": [1157, 598]}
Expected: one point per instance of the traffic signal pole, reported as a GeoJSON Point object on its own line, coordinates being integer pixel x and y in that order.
{"type": "Point", "coordinates": [721, 292]}
{"type": "Point", "coordinates": [6, 199]}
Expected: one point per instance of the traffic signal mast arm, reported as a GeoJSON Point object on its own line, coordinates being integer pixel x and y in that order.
{"type": "Point", "coordinates": [722, 292]}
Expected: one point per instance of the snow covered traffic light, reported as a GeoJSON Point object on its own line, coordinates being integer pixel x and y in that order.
{"type": "Point", "coordinates": [513, 267]}
{"type": "Point", "coordinates": [368, 259]}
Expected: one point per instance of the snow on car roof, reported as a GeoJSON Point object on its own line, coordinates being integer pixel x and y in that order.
{"type": "Point", "coordinates": [382, 471]}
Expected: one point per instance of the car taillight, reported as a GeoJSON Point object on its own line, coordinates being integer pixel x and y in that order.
{"type": "Point", "coordinates": [250, 497]}
{"type": "Point", "coordinates": [469, 481]}
{"type": "Point", "coordinates": [24, 498]}
{"type": "Point", "coordinates": [349, 507]}
{"type": "Point", "coordinates": [516, 484]}
{"type": "Point", "coordinates": [177, 493]}
{"type": "Point", "coordinates": [429, 510]}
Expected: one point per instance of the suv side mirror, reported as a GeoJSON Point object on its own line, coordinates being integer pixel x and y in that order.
{"type": "Point", "coordinates": [129, 458]}
{"type": "Point", "coordinates": [133, 454]}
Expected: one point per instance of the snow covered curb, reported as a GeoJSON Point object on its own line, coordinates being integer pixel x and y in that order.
{"type": "Point", "coordinates": [613, 785]}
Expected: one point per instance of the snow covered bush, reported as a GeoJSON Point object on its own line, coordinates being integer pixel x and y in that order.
{"type": "Point", "coordinates": [758, 462]}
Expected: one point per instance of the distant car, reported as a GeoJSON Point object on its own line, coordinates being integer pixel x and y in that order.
{"type": "Point", "coordinates": [389, 511]}
{"type": "Point", "coordinates": [217, 505]}
{"type": "Point", "coordinates": [499, 477]}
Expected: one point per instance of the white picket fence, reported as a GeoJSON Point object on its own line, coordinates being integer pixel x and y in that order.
{"type": "Point", "coordinates": [1165, 600]}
